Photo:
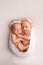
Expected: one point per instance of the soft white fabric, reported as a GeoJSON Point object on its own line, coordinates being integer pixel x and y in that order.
{"type": "Point", "coordinates": [32, 45]}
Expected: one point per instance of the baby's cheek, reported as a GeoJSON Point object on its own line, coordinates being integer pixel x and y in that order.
{"type": "Point", "coordinates": [29, 28]}
{"type": "Point", "coordinates": [16, 31]}
{"type": "Point", "coordinates": [19, 30]}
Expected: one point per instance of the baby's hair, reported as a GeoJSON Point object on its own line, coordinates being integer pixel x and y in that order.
{"type": "Point", "coordinates": [15, 21]}
{"type": "Point", "coordinates": [28, 20]}
{"type": "Point", "coordinates": [12, 26]}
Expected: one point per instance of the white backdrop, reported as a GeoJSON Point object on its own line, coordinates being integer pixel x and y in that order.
{"type": "Point", "coordinates": [10, 9]}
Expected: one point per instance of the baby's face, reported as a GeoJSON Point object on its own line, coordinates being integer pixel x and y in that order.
{"type": "Point", "coordinates": [26, 26]}
{"type": "Point", "coordinates": [17, 28]}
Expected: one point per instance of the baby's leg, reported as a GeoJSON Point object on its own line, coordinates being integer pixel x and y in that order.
{"type": "Point", "coordinates": [25, 48]}
{"type": "Point", "coordinates": [25, 42]}
{"type": "Point", "coordinates": [17, 45]}
{"type": "Point", "coordinates": [21, 47]}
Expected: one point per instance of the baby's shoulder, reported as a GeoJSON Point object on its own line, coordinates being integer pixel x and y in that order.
{"type": "Point", "coordinates": [13, 35]}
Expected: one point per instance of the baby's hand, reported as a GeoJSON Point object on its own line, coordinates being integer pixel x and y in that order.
{"type": "Point", "coordinates": [24, 37]}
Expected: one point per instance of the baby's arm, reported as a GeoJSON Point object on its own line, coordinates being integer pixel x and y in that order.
{"type": "Point", "coordinates": [14, 38]}
{"type": "Point", "coordinates": [24, 37]}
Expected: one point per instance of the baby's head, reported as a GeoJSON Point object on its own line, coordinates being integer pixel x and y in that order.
{"type": "Point", "coordinates": [16, 28]}
{"type": "Point", "coordinates": [26, 26]}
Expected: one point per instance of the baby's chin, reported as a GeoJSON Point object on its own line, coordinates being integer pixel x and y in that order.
{"type": "Point", "coordinates": [26, 32]}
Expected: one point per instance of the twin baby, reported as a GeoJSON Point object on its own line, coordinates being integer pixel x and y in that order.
{"type": "Point", "coordinates": [20, 34]}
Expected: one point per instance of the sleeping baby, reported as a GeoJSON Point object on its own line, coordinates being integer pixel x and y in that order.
{"type": "Point", "coordinates": [16, 30]}
{"type": "Point", "coordinates": [26, 32]}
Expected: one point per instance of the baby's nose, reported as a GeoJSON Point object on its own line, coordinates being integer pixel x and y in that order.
{"type": "Point", "coordinates": [24, 28]}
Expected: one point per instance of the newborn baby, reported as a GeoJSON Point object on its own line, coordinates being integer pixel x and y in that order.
{"type": "Point", "coordinates": [26, 29]}
{"type": "Point", "coordinates": [17, 30]}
